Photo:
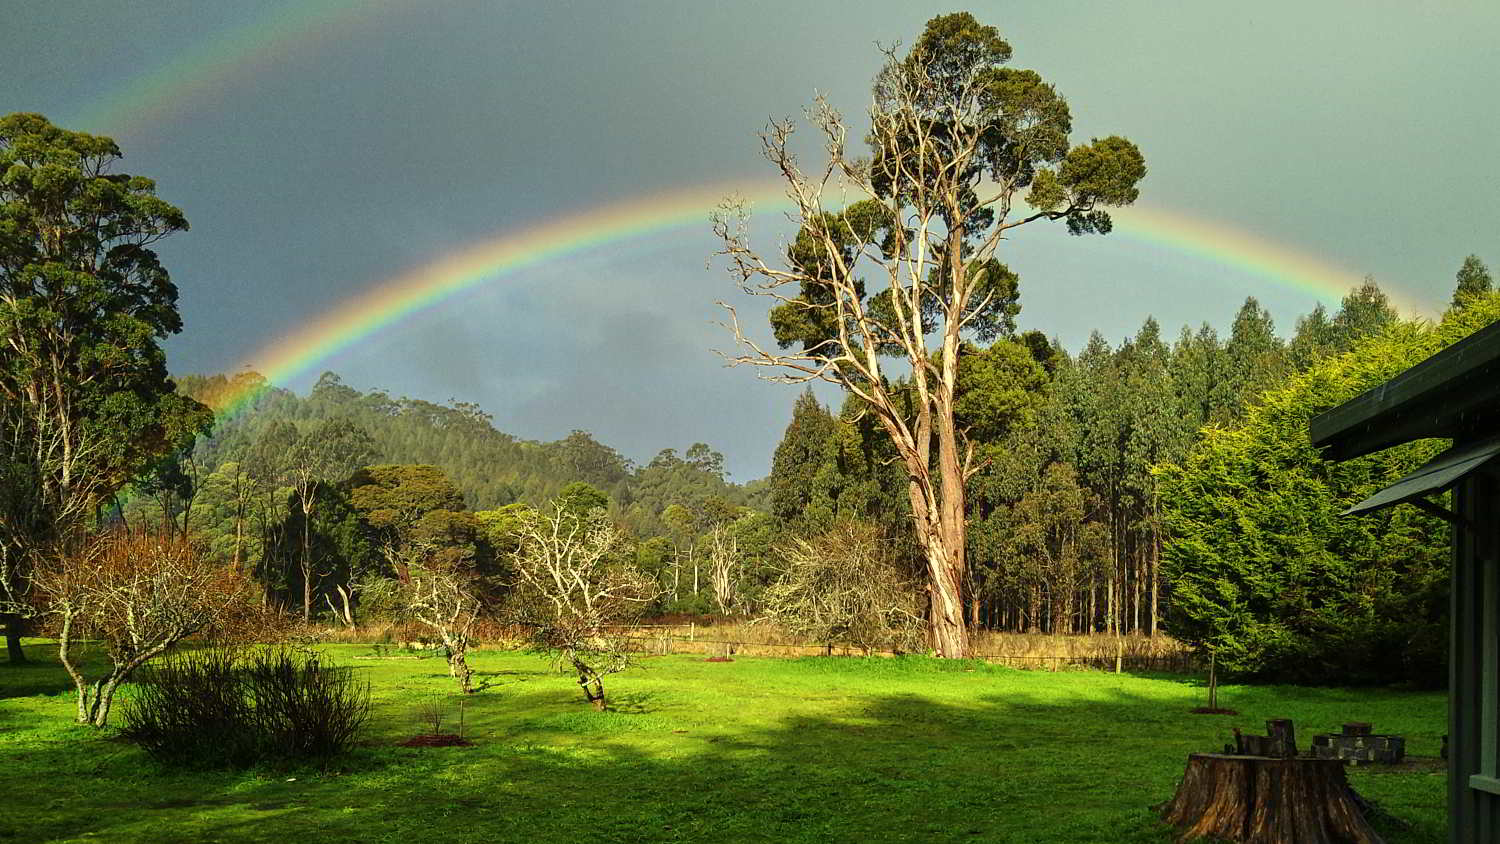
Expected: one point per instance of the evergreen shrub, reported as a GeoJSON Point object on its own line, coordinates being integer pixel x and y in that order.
{"type": "Point", "coordinates": [1263, 570]}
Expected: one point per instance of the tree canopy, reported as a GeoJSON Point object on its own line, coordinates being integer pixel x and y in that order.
{"type": "Point", "coordinates": [85, 401]}
{"type": "Point", "coordinates": [958, 141]}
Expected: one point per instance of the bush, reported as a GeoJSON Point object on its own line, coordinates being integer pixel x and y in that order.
{"type": "Point", "coordinates": [1267, 574]}
{"type": "Point", "coordinates": [218, 708]}
{"type": "Point", "coordinates": [846, 587]}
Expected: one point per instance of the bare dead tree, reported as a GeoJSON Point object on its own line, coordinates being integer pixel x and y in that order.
{"type": "Point", "coordinates": [845, 587]}
{"type": "Point", "coordinates": [955, 140]}
{"type": "Point", "coordinates": [137, 596]}
{"type": "Point", "coordinates": [576, 592]}
{"type": "Point", "coordinates": [724, 566]}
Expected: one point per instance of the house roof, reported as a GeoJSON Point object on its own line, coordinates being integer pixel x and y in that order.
{"type": "Point", "coordinates": [1435, 475]}
{"type": "Point", "coordinates": [1455, 394]}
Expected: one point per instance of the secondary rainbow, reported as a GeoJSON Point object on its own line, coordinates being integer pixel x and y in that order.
{"type": "Point", "coordinates": [232, 54]}
{"type": "Point", "coordinates": [501, 257]}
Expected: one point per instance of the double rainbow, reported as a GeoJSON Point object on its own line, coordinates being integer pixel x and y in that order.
{"type": "Point", "coordinates": [276, 34]}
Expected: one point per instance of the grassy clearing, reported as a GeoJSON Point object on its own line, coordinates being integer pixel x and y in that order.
{"type": "Point", "coordinates": [816, 749]}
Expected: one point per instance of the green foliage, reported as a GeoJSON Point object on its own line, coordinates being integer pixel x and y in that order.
{"type": "Point", "coordinates": [798, 459]}
{"type": "Point", "coordinates": [997, 389]}
{"type": "Point", "coordinates": [1473, 279]}
{"type": "Point", "coordinates": [1364, 312]}
{"type": "Point", "coordinates": [414, 514]}
{"type": "Point", "coordinates": [1266, 573]}
{"type": "Point", "coordinates": [492, 468]}
{"type": "Point", "coordinates": [85, 402]}
{"type": "Point", "coordinates": [1314, 338]}
{"type": "Point", "coordinates": [1254, 357]}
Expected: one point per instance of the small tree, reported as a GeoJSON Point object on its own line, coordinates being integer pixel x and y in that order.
{"type": "Point", "coordinates": [574, 591]}
{"type": "Point", "coordinates": [326, 453]}
{"type": "Point", "coordinates": [445, 598]}
{"type": "Point", "coordinates": [844, 587]}
{"type": "Point", "coordinates": [137, 596]}
{"type": "Point", "coordinates": [1473, 279]}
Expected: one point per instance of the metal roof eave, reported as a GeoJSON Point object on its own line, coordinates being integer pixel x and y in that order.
{"type": "Point", "coordinates": [1444, 395]}
{"type": "Point", "coordinates": [1435, 475]}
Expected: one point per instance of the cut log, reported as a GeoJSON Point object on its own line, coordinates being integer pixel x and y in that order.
{"type": "Point", "coordinates": [1259, 800]}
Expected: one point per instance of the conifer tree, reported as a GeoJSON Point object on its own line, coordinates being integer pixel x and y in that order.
{"type": "Point", "coordinates": [1363, 313]}
{"type": "Point", "coordinates": [1472, 280]}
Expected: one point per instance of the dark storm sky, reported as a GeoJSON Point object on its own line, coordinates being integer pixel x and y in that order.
{"type": "Point", "coordinates": [321, 147]}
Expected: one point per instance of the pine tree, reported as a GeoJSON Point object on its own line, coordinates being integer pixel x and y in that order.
{"type": "Point", "coordinates": [1314, 339]}
{"type": "Point", "coordinates": [1255, 358]}
{"type": "Point", "coordinates": [1472, 280]}
{"type": "Point", "coordinates": [1364, 312]}
{"type": "Point", "coordinates": [803, 452]}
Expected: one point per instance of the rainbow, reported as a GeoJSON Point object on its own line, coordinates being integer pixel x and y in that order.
{"type": "Point", "coordinates": [197, 73]}
{"type": "Point", "coordinates": [1219, 243]}
{"type": "Point", "coordinates": [486, 262]}
{"type": "Point", "coordinates": [490, 261]}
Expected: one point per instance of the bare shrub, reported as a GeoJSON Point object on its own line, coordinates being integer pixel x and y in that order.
{"type": "Point", "coordinates": [227, 708]}
{"type": "Point", "coordinates": [844, 587]}
{"type": "Point", "coordinates": [575, 590]}
{"type": "Point", "coordinates": [137, 596]}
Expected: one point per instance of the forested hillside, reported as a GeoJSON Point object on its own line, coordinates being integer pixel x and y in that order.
{"type": "Point", "coordinates": [491, 468]}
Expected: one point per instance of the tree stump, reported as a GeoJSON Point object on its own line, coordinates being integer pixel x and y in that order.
{"type": "Point", "coordinates": [1260, 800]}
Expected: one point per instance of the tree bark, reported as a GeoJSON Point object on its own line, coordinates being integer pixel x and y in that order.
{"type": "Point", "coordinates": [1260, 800]}
{"type": "Point", "coordinates": [306, 564]}
{"type": "Point", "coordinates": [13, 625]}
{"type": "Point", "coordinates": [1155, 568]}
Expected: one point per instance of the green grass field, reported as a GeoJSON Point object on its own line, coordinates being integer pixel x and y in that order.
{"type": "Point", "coordinates": [815, 749]}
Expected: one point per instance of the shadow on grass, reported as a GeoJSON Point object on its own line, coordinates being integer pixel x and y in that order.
{"type": "Point", "coordinates": [1022, 765]}
{"type": "Point", "coordinates": [41, 674]}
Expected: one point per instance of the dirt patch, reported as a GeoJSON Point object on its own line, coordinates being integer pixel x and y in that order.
{"type": "Point", "coordinates": [437, 740]}
{"type": "Point", "coordinates": [718, 659]}
{"type": "Point", "coordinates": [1410, 765]}
{"type": "Point", "coordinates": [1209, 710]}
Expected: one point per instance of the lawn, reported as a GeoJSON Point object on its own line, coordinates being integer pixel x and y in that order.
{"type": "Point", "coordinates": [759, 749]}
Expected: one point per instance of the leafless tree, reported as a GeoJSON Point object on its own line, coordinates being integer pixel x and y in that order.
{"type": "Point", "coordinates": [844, 587]}
{"type": "Point", "coordinates": [575, 593]}
{"type": "Point", "coordinates": [724, 566]}
{"type": "Point", "coordinates": [955, 141]}
{"type": "Point", "coordinates": [445, 598]}
{"type": "Point", "coordinates": [137, 596]}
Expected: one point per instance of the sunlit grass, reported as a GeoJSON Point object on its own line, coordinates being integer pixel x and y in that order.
{"type": "Point", "coordinates": [758, 749]}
